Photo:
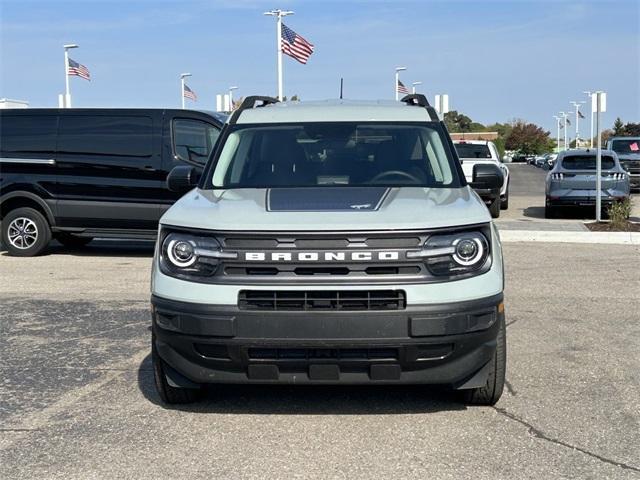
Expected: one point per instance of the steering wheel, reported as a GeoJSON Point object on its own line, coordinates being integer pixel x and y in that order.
{"type": "Point", "coordinates": [395, 173]}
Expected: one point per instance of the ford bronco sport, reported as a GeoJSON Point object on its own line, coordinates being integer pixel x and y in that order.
{"type": "Point", "coordinates": [329, 242]}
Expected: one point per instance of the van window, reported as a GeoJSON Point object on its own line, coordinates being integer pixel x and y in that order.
{"type": "Point", "coordinates": [28, 133]}
{"type": "Point", "coordinates": [106, 135]}
{"type": "Point", "coordinates": [193, 140]}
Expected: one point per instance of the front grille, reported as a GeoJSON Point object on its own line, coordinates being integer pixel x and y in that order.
{"type": "Point", "coordinates": [272, 300]}
{"type": "Point", "coordinates": [333, 354]}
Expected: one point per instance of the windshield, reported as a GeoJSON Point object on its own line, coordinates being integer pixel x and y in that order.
{"type": "Point", "coordinates": [470, 150]}
{"type": "Point", "coordinates": [626, 146]}
{"type": "Point", "coordinates": [587, 162]}
{"type": "Point", "coordinates": [335, 154]}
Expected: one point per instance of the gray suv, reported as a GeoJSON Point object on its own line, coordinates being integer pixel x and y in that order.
{"type": "Point", "coordinates": [572, 181]}
{"type": "Point", "coordinates": [329, 242]}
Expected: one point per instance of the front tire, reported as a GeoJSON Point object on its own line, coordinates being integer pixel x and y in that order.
{"type": "Point", "coordinates": [491, 392]}
{"type": "Point", "coordinates": [504, 202]}
{"type": "Point", "coordinates": [169, 394]}
{"type": "Point", "coordinates": [25, 232]}
{"type": "Point", "coordinates": [550, 212]}
{"type": "Point", "coordinates": [494, 208]}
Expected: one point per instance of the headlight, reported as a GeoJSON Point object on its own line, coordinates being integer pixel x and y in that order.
{"type": "Point", "coordinates": [185, 255]}
{"type": "Point", "coordinates": [455, 253]}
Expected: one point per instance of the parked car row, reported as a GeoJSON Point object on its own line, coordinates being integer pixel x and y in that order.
{"type": "Point", "coordinates": [544, 161]}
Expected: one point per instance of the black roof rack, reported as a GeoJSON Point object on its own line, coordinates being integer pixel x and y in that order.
{"type": "Point", "coordinates": [419, 100]}
{"type": "Point", "coordinates": [250, 102]}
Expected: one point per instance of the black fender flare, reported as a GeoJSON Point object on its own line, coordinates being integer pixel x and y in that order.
{"type": "Point", "coordinates": [31, 196]}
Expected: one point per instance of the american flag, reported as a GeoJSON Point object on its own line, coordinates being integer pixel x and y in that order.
{"type": "Point", "coordinates": [75, 68]}
{"type": "Point", "coordinates": [295, 46]}
{"type": "Point", "coordinates": [402, 88]}
{"type": "Point", "coordinates": [188, 93]}
{"type": "Point", "coordinates": [580, 114]}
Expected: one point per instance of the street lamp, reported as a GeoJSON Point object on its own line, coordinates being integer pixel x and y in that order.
{"type": "Point", "coordinates": [231, 89]}
{"type": "Point", "coordinates": [67, 93]}
{"type": "Point", "coordinates": [398, 70]}
{"type": "Point", "coordinates": [182, 77]}
{"type": "Point", "coordinates": [279, 14]}
{"type": "Point", "coordinates": [413, 86]}
{"type": "Point", "coordinates": [577, 105]}
{"type": "Point", "coordinates": [558, 125]}
{"type": "Point", "coordinates": [589, 94]}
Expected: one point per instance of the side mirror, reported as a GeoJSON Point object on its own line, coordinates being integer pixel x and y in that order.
{"type": "Point", "coordinates": [487, 176]}
{"type": "Point", "coordinates": [183, 178]}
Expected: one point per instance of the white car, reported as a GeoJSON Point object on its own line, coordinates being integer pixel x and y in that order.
{"type": "Point", "coordinates": [474, 152]}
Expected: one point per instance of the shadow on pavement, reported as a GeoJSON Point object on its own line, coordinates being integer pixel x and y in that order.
{"type": "Point", "coordinates": [570, 213]}
{"type": "Point", "coordinates": [101, 248]}
{"type": "Point", "coordinates": [309, 400]}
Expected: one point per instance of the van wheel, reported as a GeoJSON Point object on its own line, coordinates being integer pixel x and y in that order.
{"type": "Point", "coordinates": [72, 241]}
{"type": "Point", "coordinates": [491, 392]}
{"type": "Point", "coordinates": [169, 394]}
{"type": "Point", "coordinates": [25, 232]}
{"type": "Point", "coordinates": [494, 208]}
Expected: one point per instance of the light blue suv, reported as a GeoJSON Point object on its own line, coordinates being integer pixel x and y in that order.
{"type": "Point", "coordinates": [330, 242]}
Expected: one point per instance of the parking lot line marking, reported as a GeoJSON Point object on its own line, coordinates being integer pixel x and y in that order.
{"type": "Point", "coordinates": [613, 238]}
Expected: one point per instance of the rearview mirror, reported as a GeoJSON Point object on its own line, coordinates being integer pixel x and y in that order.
{"type": "Point", "coordinates": [486, 176]}
{"type": "Point", "coordinates": [183, 178]}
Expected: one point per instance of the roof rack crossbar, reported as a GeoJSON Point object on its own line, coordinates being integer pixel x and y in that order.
{"type": "Point", "coordinates": [250, 102]}
{"type": "Point", "coordinates": [419, 100]}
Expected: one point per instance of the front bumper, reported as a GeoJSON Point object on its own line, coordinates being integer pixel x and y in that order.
{"type": "Point", "coordinates": [448, 343]}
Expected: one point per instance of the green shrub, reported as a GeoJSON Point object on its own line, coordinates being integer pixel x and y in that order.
{"type": "Point", "coordinates": [619, 212]}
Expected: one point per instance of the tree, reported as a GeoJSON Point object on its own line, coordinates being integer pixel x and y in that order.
{"type": "Point", "coordinates": [632, 129]}
{"type": "Point", "coordinates": [618, 127]}
{"type": "Point", "coordinates": [528, 138]}
{"type": "Point", "coordinates": [457, 122]}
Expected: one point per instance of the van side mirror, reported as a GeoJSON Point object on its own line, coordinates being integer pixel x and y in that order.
{"type": "Point", "coordinates": [487, 176]}
{"type": "Point", "coordinates": [183, 178]}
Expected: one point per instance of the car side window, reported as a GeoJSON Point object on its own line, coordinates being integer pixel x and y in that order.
{"type": "Point", "coordinates": [193, 140]}
{"type": "Point", "coordinates": [28, 133]}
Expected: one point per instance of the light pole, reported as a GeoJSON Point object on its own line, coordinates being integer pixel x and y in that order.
{"type": "Point", "coordinates": [279, 14]}
{"type": "Point", "coordinates": [589, 94]}
{"type": "Point", "coordinates": [577, 105]}
{"type": "Point", "coordinates": [565, 115]}
{"type": "Point", "coordinates": [231, 89]}
{"type": "Point", "coordinates": [558, 125]}
{"type": "Point", "coordinates": [182, 77]}
{"type": "Point", "coordinates": [67, 93]}
{"type": "Point", "coordinates": [413, 86]}
{"type": "Point", "coordinates": [395, 87]}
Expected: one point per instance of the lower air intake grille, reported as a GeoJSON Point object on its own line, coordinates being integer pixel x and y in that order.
{"type": "Point", "coordinates": [322, 300]}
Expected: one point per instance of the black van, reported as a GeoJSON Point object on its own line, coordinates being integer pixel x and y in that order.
{"type": "Point", "coordinates": [75, 174]}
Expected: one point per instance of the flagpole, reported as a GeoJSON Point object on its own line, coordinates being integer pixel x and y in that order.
{"type": "Point", "coordinates": [558, 127]}
{"type": "Point", "coordinates": [182, 77]}
{"type": "Point", "coordinates": [279, 46]}
{"type": "Point", "coordinates": [67, 91]}
{"type": "Point", "coordinates": [279, 14]}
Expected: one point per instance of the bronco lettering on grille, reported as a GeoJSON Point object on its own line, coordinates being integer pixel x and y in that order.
{"type": "Point", "coordinates": [362, 256]}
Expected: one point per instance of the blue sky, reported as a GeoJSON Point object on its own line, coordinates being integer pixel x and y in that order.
{"type": "Point", "coordinates": [498, 60]}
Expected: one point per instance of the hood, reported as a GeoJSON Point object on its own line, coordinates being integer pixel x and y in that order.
{"type": "Point", "coordinates": [327, 208]}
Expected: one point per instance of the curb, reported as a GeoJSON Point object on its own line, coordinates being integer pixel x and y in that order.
{"type": "Point", "coordinates": [611, 238]}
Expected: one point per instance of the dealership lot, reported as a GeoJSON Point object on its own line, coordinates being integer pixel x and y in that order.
{"type": "Point", "coordinates": [78, 399]}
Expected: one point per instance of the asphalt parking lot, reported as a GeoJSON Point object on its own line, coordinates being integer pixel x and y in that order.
{"type": "Point", "coordinates": [77, 396]}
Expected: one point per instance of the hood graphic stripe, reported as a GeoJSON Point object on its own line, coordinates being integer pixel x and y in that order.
{"type": "Point", "coordinates": [325, 199]}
